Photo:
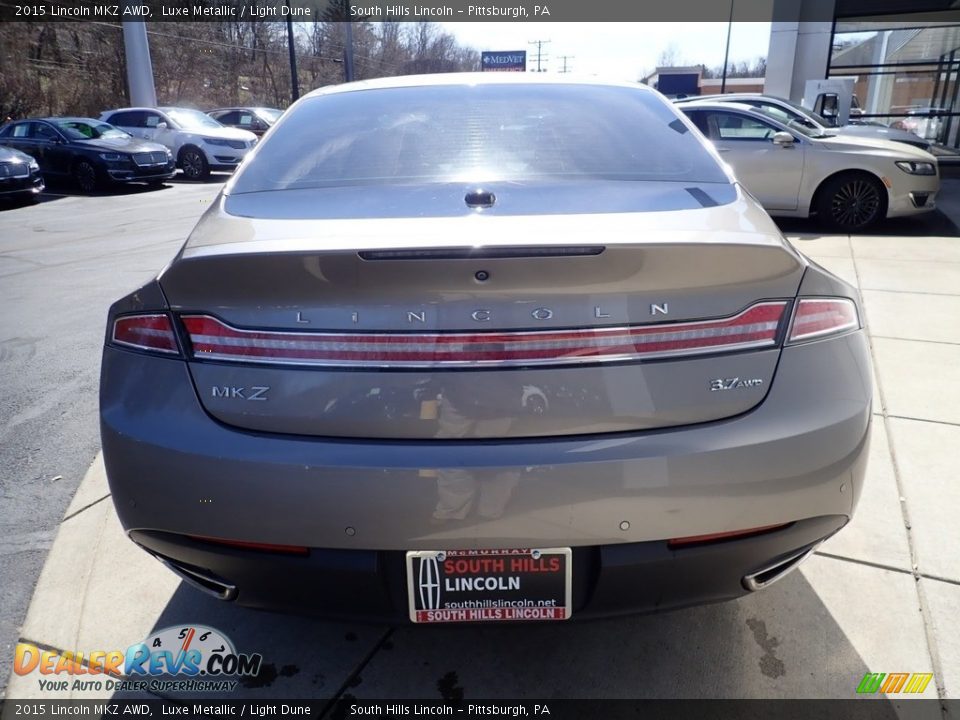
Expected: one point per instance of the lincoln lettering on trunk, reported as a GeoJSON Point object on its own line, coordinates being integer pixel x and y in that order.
{"type": "Point", "coordinates": [486, 314]}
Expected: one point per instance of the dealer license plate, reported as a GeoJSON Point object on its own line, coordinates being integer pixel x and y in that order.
{"type": "Point", "coordinates": [489, 585]}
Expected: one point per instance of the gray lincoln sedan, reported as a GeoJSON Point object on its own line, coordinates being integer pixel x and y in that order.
{"type": "Point", "coordinates": [485, 347]}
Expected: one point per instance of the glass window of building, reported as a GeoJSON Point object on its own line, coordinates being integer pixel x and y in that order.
{"type": "Point", "coordinates": [906, 75]}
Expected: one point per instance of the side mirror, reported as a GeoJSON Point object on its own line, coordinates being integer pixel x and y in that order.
{"type": "Point", "coordinates": [783, 139]}
{"type": "Point", "coordinates": [161, 126]}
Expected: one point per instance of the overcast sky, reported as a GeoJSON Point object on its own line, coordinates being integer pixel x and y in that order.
{"type": "Point", "coordinates": [618, 50]}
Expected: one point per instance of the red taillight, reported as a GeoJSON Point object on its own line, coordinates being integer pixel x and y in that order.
{"type": "Point", "coordinates": [817, 317]}
{"type": "Point", "coordinates": [713, 537]}
{"type": "Point", "coordinates": [755, 327]}
{"type": "Point", "coordinates": [265, 547]}
{"type": "Point", "coordinates": [146, 332]}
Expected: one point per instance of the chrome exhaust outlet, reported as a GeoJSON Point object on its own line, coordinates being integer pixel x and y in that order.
{"type": "Point", "coordinates": [203, 581]}
{"type": "Point", "coordinates": [781, 568]}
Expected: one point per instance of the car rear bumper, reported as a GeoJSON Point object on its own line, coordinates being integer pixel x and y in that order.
{"type": "Point", "coordinates": [797, 458]}
{"type": "Point", "coordinates": [371, 585]}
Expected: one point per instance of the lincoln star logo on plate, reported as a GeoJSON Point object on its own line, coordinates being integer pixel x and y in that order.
{"type": "Point", "coordinates": [430, 582]}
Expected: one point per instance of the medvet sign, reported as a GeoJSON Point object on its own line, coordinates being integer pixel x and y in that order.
{"type": "Point", "coordinates": [504, 60]}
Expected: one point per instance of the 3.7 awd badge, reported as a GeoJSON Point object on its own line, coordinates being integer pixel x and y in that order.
{"type": "Point", "coordinates": [734, 383]}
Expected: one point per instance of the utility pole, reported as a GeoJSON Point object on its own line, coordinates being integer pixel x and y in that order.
{"type": "Point", "coordinates": [540, 55]}
{"type": "Point", "coordinates": [726, 54]}
{"type": "Point", "coordinates": [139, 69]}
{"type": "Point", "coordinates": [348, 53]}
{"type": "Point", "coordinates": [565, 58]}
{"type": "Point", "coordinates": [292, 47]}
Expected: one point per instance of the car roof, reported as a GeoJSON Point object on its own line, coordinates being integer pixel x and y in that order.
{"type": "Point", "coordinates": [70, 119]}
{"type": "Point", "coordinates": [473, 78]}
{"type": "Point", "coordinates": [242, 107]}
{"type": "Point", "coordinates": [719, 96]}
{"type": "Point", "coordinates": [733, 97]}
{"type": "Point", "coordinates": [727, 105]}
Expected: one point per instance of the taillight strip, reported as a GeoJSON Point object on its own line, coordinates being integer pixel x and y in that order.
{"type": "Point", "coordinates": [150, 331]}
{"type": "Point", "coordinates": [819, 317]}
{"type": "Point", "coordinates": [752, 328]}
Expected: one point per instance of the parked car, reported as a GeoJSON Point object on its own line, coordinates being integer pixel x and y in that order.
{"type": "Point", "coordinates": [473, 347]}
{"type": "Point", "coordinates": [923, 121]}
{"type": "Point", "coordinates": [255, 119]}
{"type": "Point", "coordinates": [90, 152]}
{"type": "Point", "coordinates": [198, 142]}
{"type": "Point", "coordinates": [786, 111]}
{"type": "Point", "coordinates": [849, 182]}
{"type": "Point", "coordinates": [20, 178]}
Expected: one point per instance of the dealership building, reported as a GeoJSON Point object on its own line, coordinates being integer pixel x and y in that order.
{"type": "Point", "coordinates": [902, 55]}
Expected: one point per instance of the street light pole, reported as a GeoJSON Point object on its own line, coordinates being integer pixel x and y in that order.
{"type": "Point", "coordinates": [348, 54]}
{"type": "Point", "coordinates": [292, 48]}
{"type": "Point", "coordinates": [726, 54]}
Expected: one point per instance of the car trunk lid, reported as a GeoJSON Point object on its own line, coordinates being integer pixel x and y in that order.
{"type": "Point", "coordinates": [493, 327]}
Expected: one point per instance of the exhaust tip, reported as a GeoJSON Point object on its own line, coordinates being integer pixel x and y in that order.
{"type": "Point", "coordinates": [778, 569]}
{"type": "Point", "coordinates": [203, 580]}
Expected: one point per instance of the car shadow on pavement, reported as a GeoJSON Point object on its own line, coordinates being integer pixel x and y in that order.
{"type": "Point", "coordinates": [57, 190]}
{"type": "Point", "coordinates": [8, 204]}
{"type": "Point", "coordinates": [212, 179]}
{"type": "Point", "coordinates": [933, 224]}
{"type": "Point", "coordinates": [782, 642]}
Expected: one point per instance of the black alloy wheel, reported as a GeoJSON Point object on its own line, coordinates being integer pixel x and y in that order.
{"type": "Point", "coordinates": [85, 176]}
{"type": "Point", "coordinates": [194, 164]}
{"type": "Point", "coordinates": [852, 202]}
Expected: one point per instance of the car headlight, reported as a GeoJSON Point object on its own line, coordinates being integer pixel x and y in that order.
{"type": "Point", "coordinates": [113, 157]}
{"type": "Point", "coordinates": [34, 165]}
{"type": "Point", "coordinates": [217, 141]}
{"type": "Point", "coordinates": [913, 167]}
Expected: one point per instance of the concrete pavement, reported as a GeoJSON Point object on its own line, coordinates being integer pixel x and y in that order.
{"type": "Point", "coordinates": [882, 596]}
{"type": "Point", "coordinates": [62, 263]}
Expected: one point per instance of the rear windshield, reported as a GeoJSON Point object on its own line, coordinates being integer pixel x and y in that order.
{"type": "Point", "coordinates": [461, 133]}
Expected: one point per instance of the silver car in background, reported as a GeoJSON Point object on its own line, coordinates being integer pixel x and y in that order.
{"type": "Point", "coordinates": [787, 111]}
{"type": "Point", "coordinates": [464, 347]}
{"type": "Point", "coordinates": [848, 182]}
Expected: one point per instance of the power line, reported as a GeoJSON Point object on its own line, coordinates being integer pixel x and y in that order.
{"type": "Point", "coordinates": [540, 56]}
{"type": "Point", "coordinates": [247, 48]}
{"type": "Point", "coordinates": [332, 44]}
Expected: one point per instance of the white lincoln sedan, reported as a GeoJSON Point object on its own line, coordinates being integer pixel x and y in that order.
{"type": "Point", "coordinates": [848, 182]}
